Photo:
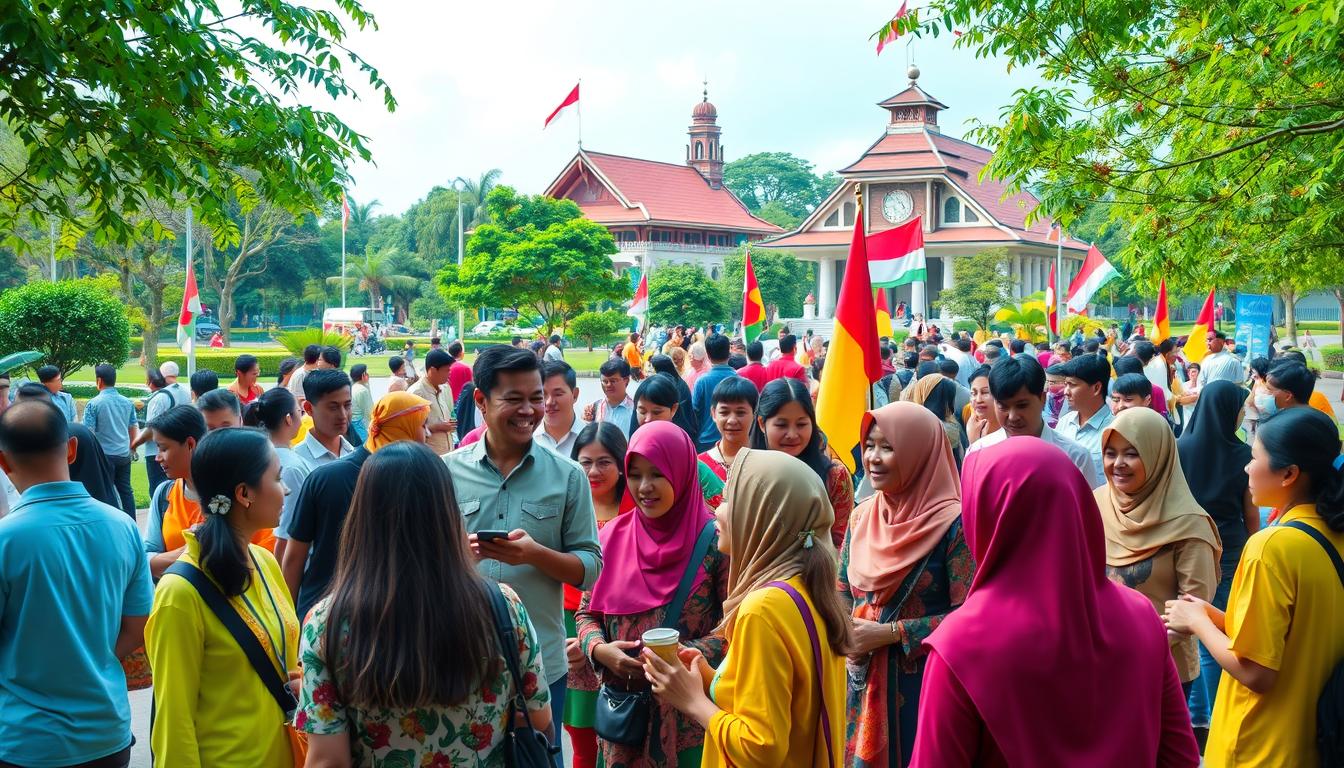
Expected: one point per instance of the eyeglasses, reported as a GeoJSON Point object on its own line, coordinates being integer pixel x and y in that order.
{"type": "Point", "coordinates": [603, 465]}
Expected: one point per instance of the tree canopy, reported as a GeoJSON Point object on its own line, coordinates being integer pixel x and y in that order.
{"type": "Point", "coordinates": [684, 294]}
{"type": "Point", "coordinates": [74, 323]}
{"type": "Point", "coordinates": [538, 256]}
{"type": "Point", "coordinates": [783, 279]}
{"type": "Point", "coordinates": [778, 186]}
{"type": "Point", "coordinates": [120, 104]}
{"type": "Point", "coordinates": [979, 285]}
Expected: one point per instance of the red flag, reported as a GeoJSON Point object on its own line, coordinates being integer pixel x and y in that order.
{"type": "Point", "coordinates": [191, 309]}
{"type": "Point", "coordinates": [889, 33]}
{"type": "Point", "coordinates": [1161, 317]}
{"type": "Point", "coordinates": [572, 98]}
{"type": "Point", "coordinates": [639, 306]}
{"type": "Point", "coordinates": [1051, 300]}
{"type": "Point", "coordinates": [1197, 346]}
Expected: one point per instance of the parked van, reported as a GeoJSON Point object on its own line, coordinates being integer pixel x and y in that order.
{"type": "Point", "coordinates": [348, 318]}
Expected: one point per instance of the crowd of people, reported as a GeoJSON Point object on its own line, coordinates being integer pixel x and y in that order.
{"type": "Point", "coordinates": [1094, 553]}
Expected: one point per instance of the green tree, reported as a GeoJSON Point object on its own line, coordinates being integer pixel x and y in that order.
{"type": "Point", "coordinates": [375, 275]}
{"type": "Point", "coordinates": [597, 325]}
{"type": "Point", "coordinates": [980, 284]}
{"type": "Point", "coordinates": [74, 323]}
{"type": "Point", "coordinates": [776, 182]}
{"type": "Point", "coordinates": [684, 294]}
{"type": "Point", "coordinates": [539, 256]}
{"type": "Point", "coordinates": [118, 104]}
{"type": "Point", "coordinates": [783, 280]}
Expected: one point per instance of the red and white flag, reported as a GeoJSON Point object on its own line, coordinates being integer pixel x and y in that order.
{"type": "Point", "coordinates": [1094, 273]}
{"type": "Point", "coordinates": [570, 100]}
{"type": "Point", "coordinates": [889, 32]}
{"type": "Point", "coordinates": [896, 256]}
{"type": "Point", "coordinates": [639, 306]}
{"type": "Point", "coordinates": [191, 309]}
{"type": "Point", "coordinates": [345, 212]}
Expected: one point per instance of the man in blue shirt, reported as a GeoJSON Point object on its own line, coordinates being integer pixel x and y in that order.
{"type": "Point", "coordinates": [75, 594]}
{"type": "Point", "coordinates": [111, 416]}
{"type": "Point", "coordinates": [717, 349]}
{"type": "Point", "coordinates": [50, 376]}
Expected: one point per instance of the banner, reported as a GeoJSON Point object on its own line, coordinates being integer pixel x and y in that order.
{"type": "Point", "coordinates": [1255, 314]}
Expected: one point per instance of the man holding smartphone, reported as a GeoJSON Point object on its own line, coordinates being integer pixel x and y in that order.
{"type": "Point", "coordinates": [508, 482]}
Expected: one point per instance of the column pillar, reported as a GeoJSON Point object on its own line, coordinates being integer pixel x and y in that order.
{"type": "Point", "coordinates": [1017, 277]}
{"type": "Point", "coordinates": [1035, 275]}
{"type": "Point", "coordinates": [826, 287]}
{"type": "Point", "coordinates": [948, 282]}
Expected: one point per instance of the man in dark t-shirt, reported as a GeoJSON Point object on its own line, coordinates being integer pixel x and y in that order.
{"type": "Point", "coordinates": [315, 533]}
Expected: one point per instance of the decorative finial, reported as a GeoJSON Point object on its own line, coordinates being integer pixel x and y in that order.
{"type": "Point", "coordinates": [706, 91]}
{"type": "Point", "coordinates": [912, 73]}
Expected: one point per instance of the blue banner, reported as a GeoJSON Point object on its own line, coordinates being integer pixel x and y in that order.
{"type": "Point", "coordinates": [1255, 315]}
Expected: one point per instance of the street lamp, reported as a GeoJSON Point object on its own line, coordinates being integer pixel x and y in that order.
{"type": "Point", "coordinates": [461, 238]}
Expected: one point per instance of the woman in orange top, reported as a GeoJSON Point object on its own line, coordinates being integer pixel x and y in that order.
{"type": "Point", "coordinates": [174, 506]}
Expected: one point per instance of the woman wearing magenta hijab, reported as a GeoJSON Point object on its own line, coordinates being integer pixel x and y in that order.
{"type": "Point", "coordinates": [662, 569]}
{"type": "Point", "coordinates": [1047, 663]}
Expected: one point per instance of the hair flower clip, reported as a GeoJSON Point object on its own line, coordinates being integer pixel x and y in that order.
{"type": "Point", "coordinates": [219, 505]}
{"type": "Point", "coordinates": [806, 538]}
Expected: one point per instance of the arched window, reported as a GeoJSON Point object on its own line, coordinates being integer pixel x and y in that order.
{"type": "Point", "coordinates": [714, 273]}
{"type": "Point", "coordinates": [951, 211]}
{"type": "Point", "coordinates": [849, 214]}
{"type": "Point", "coordinates": [699, 150]}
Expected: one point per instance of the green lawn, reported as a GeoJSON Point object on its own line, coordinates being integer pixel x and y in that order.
{"type": "Point", "coordinates": [140, 483]}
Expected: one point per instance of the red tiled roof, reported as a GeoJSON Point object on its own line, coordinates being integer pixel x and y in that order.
{"type": "Point", "coordinates": [897, 152]}
{"type": "Point", "coordinates": [669, 193]}
{"type": "Point", "coordinates": [912, 95]}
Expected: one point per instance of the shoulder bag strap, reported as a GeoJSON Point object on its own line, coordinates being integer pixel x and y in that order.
{"type": "Point", "coordinates": [811, 625]}
{"type": "Point", "coordinates": [248, 642]}
{"type": "Point", "coordinates": [1325, 544]}
{"type": "Point", "coordinates": [688, 576]}
{"type": "Point", "coordinates": [508, 646]}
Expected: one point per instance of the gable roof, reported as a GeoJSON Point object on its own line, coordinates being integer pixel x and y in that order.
{"type": "Point", "coordinates": [652, 191]}
{"type": "Point", "coordinates": [912, 95]}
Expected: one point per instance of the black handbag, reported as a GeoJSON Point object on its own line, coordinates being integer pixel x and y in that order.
{"type": "Point", "coordinates": [623, 716]}
{"type": "Point", "coordinates": [524, 746]}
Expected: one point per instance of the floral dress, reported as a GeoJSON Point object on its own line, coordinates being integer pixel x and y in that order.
{"type": "Point", "coordinates": [891, 678]}
{"type": "Point", "coordinates": [468, 734]}
{"type": "Point", "coordinates": [840, 489]}
{"type": "Point", "coordinates": [703, 612]}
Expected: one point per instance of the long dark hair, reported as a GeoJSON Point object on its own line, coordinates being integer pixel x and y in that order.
{"type": "Point", "coordinates": [409, 621]}
{"type": "Point", "coordinates": [222, 461]}
{"type": "Point", "coordinates": [613, 442]}
{"type": "Point", "coordinates": [775, 396]}
{"type": "Point", "coordinates": [1308, 439]}
{"type": "Point", "coordinates": [661, 389]}
{"type": "Point", "coordinates": [270, 409]}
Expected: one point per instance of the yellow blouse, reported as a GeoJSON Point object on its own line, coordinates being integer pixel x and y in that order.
{"type": "Point", "coordinates": [1285, 612]}
{"type": "Point", "coordinates": [211, 709]}
{"type": "Point", "coordinates": [767, 690]}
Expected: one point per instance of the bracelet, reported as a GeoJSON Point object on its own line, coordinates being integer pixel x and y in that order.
{"type": "Point", "coordinates": [894, 631]}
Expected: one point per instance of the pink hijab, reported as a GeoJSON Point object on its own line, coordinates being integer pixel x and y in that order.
{"type": "Point", "coordinates": [642, 558]}
{"type": "Point", "coordinates": [1063, 666]}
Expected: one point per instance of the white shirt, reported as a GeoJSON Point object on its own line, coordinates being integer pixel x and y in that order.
{"type": "Point", "coordinates": [565, 445]}
{"type": "Point", "coordinates": [965, 363]}
{"type": "Point", "coordinates": [1156, 371]}
{"type": "Point", "coordinates": [1223, 366]}
{"type": "Point", "coordinates": [1080, 456]}
{"type": "Point", "coordinates": [315, 454]}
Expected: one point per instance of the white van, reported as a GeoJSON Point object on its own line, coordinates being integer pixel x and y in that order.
{"type": "Point", "coordinates": [348, 318]}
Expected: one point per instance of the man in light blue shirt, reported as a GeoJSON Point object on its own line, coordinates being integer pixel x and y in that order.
{"type": "Point", "coordinates": [1085, 380]}
{"type": "Point", "coordinates": [75, 594]}
{"type": "Point", "coordinates": [717, 349]}
{"type": "Point", "coordinates": [539, 503]}
{"type": "Point", "coordinates": [615, 407]}
{"type": "Point", "coordinates": [50, 376]}
{"type": "Point", "coordinates": [111, 417]}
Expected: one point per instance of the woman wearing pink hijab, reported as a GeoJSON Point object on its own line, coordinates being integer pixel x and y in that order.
{"type": "Point", "coordinates": [1047, 663]}
{"type": "Point", "coordinates": [646, 554]}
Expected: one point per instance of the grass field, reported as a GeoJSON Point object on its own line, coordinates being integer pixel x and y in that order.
{"type": "Point", "coordinates": [140, 483]}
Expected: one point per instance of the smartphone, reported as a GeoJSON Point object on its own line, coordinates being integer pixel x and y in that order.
{"type": "Point", "coordinates": [491, 535]}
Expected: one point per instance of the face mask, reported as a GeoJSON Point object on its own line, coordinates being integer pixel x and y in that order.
{"type": "Point", "coordinates": [1267, 405]}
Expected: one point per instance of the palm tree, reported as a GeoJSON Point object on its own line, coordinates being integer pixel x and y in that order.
{"type": "Point", "coordinates": [361, 215]}
{"type": "Point", "coordinates": [315, 294]}
{"type": "Point", "coordinates": [1027, 318]}
{"type": "Point", "coordinates": [375, 275]}
{"type": "Point", "coordinates": [474, 194]}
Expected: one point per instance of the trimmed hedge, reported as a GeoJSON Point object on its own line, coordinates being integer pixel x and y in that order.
{"type": "Point", "coordinates": [222, 362]}
{"type": "Point", "coordinates": [1333, 355]}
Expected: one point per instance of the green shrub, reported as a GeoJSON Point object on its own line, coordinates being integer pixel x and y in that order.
{"type": "Point", "coordinates": [593, 327]}
{"type": "Point", "coordinates": [74, 323]}
{"type": "Point", "coordinates": [1333, 355]}
{"type": "Point", "coordinates": [222, 362]}
{"type": "Point", "coordinates": [295, 341]}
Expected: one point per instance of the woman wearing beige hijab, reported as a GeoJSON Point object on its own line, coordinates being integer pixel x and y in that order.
{"type": "Point", "coordinates": [938, 394]}
{"type": "Point", "coordinates": [778, 697]}
{"type": "Point", "coordinates": [904, 567]}
{"type": "Point", "coordinates": [1159, 541]}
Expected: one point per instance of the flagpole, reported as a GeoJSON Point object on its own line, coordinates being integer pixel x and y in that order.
{"type": "Point", "coordinates": [343, 209]}
{"type": "Point", "coordinates": [191, 341]}
{"type": "Point", "coordinates": [51, 224]}
{"type": "Point", "coordinates": [1059, 284]}
{"type": "Point", "coordinates": [578, 107]}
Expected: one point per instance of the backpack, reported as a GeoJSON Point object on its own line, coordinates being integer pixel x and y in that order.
{"type": "Point", "coordinates": [1330, 706]}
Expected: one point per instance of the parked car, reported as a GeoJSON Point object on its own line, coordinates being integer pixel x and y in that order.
{"type": "Point", "coordinates": [206, 328]}
{"type": "Point", "coordinates": [397, 329]}
{"type": "Point", "coordinates": [486, 327]}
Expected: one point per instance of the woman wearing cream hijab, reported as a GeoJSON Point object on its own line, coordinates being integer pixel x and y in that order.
{"type": "Point", "coordinates": [1159, 541]}
{"type": "Point", "coordinates": [778, 697]}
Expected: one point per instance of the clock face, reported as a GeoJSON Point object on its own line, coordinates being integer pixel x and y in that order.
{"type": "Point", "coordinates": [897, 206]}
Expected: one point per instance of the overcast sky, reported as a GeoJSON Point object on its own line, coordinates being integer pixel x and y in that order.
{"type": "Point", "coordinates": [475, 81]}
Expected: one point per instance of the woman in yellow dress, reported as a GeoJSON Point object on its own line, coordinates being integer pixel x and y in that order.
{"type": "Point", "coordinates": [211, 707]}
{"type": "Point", "coordinates": [779, 696]}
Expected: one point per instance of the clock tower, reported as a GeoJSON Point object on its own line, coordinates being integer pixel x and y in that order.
{"type": "Point", "coordinates": [705, 152]}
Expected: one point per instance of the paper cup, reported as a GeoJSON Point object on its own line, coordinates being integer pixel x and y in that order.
{"type": "Point", "coordinates": [663, 642]}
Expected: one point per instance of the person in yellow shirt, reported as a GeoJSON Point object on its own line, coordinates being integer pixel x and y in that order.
{"type": "Point", "coordinates": [1283, 631]}
{"type": "Point", "coordinates": [779, 696]}
{"type": "Point", "coordinates": [211, 706]}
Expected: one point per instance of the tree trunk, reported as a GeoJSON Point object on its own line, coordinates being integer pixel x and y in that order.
{"type": "Point", "coordinates": [1289, 296]}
